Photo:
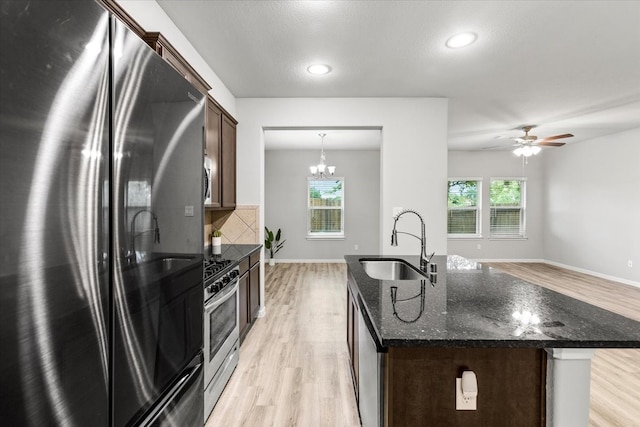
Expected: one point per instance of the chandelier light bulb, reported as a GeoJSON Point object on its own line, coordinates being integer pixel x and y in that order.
{"type": "Point", "coordinates": [319, 169]}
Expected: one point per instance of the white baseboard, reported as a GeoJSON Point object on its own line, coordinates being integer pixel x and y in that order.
{"type": "Point", "coordinates": [568, 267]}
{"type": "Point", "coordinates": [594, 273]}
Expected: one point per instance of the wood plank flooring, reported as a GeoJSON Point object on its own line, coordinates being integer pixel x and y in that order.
{"type": "Point", "coordinates": [294, 371]}
{"type": "Point", "coordinates": [294, 363]}
{"type": "Point", "coordinates": [615, 374]}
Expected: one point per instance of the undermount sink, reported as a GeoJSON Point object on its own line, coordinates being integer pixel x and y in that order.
{"type": "Point", "coordinates": [391, 269]}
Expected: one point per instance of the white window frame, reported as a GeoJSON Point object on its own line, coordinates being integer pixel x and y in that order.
{"type": "Point", "coordinates": [325, 235]}
{"type": "Point", "coordinates": [477, 208]}
{"type": "Point", "coordinates": [522, 232]}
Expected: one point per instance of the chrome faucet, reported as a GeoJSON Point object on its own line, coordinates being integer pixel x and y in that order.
{"type": "Point", "coordinates": [424, 259]}
{"type": "Point", "coordinates": [156, 233]}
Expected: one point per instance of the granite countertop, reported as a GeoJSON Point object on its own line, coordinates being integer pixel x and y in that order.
{"type": "Point", "coordinates": [472, 305]}
{"type": "Point", "coordinates": [234, 252]}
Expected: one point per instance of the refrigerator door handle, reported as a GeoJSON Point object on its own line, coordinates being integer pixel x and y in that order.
{"type": "Point", "coordinates": [171, 394]}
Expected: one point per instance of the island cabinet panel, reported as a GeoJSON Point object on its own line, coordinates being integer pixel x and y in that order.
{"type": "Point", "coordinates": [352, 338]}
{"type": "Point", "coordinates": [419, 386]}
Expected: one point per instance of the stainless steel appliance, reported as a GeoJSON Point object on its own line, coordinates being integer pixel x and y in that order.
{"type": "Point", "coordinates": [208, 166]}
{"type": "Point", "coordinates": [101, 306]}
{"type": "Point", "coordinates": [221, 328]}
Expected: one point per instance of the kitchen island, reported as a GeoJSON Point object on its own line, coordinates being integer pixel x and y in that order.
{"type": "Point", "coordinates": [529, 347]}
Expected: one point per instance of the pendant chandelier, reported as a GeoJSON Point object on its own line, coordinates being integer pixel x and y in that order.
{"type": "Point", "coordinates": [318, 170]}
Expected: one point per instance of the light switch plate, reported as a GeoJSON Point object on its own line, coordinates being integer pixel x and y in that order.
{"type": "Point", "coordinates": [463, 404]}
{"type": "Point", "coordinates": [188, 210]}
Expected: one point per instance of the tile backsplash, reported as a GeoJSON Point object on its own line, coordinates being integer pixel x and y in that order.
{"type": "Point", "coordinates": [239, 226]}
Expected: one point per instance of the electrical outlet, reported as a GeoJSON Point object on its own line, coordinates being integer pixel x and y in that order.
{"type": "Point", "coordinates": [355, 247]}
{"type": "Point", "coordinates": [188, 210]}
{"type": "Point", "coordinates": [630, 263]}
{"type": "Point", "coordinates": [463, 404]}
{"type": "Point", "coordinates": [479, 246]}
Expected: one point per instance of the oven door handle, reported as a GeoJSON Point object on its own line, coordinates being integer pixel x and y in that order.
{"type": "Point", "coordinates": [219, 299]}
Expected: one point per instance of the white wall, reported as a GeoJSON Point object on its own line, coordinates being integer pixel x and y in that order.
{"type": "Point", "coordinates": [488, 164]}
{"type": "Point", "coordinates": [286, 173]}
{"type": "Point", "coordinates": [151, 17]}
{"type": "Point", "coordinates": [592, 218]}
{"type": "Point", "coordinates": [413, 154]}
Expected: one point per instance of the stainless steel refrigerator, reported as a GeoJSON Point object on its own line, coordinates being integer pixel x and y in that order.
{"type": "Point", "coordinates": [101, 224]}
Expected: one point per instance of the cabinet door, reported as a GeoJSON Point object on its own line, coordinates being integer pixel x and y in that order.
{"type": "Point", "coordinates": [228, 163]}
{"type": "Point", "coordinates": [254, 290]}
{"type": "Point", "coordinates": [212, 137]}
{"type": "Point", "coordinates": [244, 304]}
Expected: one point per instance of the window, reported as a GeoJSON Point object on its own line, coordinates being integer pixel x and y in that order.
{"type": "Point", "coordinates": [463, 203]}
{"type": "Point", "coordinates": [507, 199]}
{"type": "Point", "coordinates": [325, 208]}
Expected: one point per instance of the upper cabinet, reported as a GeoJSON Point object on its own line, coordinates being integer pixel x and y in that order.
{"type": "Point", "coordinates": [220, 139]}
{"type": "Point", "coordinates": [228, 183]}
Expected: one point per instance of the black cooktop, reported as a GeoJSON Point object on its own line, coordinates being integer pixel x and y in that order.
{"type": "Point", "coordinates": [213, 266]}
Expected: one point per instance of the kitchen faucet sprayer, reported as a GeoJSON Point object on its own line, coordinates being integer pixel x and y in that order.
{"type": "Point", "coordinates": [424, 259]}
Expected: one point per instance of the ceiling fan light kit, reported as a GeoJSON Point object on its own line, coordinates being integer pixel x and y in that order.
{"type": "Point", "coordinates": [529, 145]}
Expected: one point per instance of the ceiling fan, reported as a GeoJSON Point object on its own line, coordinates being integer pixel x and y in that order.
{"type": "Point", "coordinates": [529, 145]}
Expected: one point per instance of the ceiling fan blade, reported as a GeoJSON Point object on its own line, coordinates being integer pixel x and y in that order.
{"type": "Point", "coordinates": [553, 138]}
{"type": "Point", "coordinates": [550, 144]}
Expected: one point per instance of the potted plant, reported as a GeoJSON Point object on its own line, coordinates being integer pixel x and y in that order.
{"type": "Point", "coordinates": [216, 241]}
{"type": "Point", "coordinates": [272, 244]}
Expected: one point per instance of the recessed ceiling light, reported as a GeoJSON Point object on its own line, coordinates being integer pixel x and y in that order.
{"type": "Point", "coordinates": [461, 40]}
{"type": "Point", "coordinates": [319, 69]}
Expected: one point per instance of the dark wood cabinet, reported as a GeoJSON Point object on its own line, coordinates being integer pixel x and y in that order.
{"type": "Point", "coordinates": [220, 142]}
{"type": "Point", "coordinates": [228, 144]}
{"type": "Point", "coordinates": [213, 136]}
{"type": "Point", "coordinates": [249, 292]}
{"type": "Point", "coordinates": [352, 337]}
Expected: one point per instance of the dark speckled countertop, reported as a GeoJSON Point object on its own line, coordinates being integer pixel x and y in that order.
{"type": "Point", "coordinates": [235, 252]}
{"type": "Point", "coordinates": [471, 305]}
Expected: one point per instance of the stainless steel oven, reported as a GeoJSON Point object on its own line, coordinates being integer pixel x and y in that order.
{"type": "Point", "coordinates": [221, 334]}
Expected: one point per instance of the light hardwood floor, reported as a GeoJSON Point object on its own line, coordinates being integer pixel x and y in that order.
{"type": "Point", "coordinates": [294, 370]}
{"type": "Point", "coordinates": [294, 363]}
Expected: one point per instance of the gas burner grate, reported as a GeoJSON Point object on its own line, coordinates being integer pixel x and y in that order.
{"type": "Point", "coordinates": [214, 266]}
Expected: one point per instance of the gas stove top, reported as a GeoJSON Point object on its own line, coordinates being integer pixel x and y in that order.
{"type": "Point", "coordinates": [213, 267]}
{"type": "Point", "coordinates": [218, 275]}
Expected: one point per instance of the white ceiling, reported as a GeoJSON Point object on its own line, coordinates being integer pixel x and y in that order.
{"type": "Point", "coordinates": [566, 66]}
